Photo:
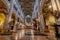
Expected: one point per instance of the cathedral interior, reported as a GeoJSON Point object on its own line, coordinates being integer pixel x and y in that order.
{"type": "Point", "coordinates": [29, 19]}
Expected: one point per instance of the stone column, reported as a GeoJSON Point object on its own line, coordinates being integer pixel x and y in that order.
{"type": "Point", "coordinates": [41, 2]}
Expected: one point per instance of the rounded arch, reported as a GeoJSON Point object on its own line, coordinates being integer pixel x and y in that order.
{"type": "Point", "coordinates": [3, 15]}
{"type": "Point", "coordinates": [3, 10]}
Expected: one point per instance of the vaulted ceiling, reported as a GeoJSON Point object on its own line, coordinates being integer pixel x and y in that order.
{"type": "Point", "coordinates": [27, 6]}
